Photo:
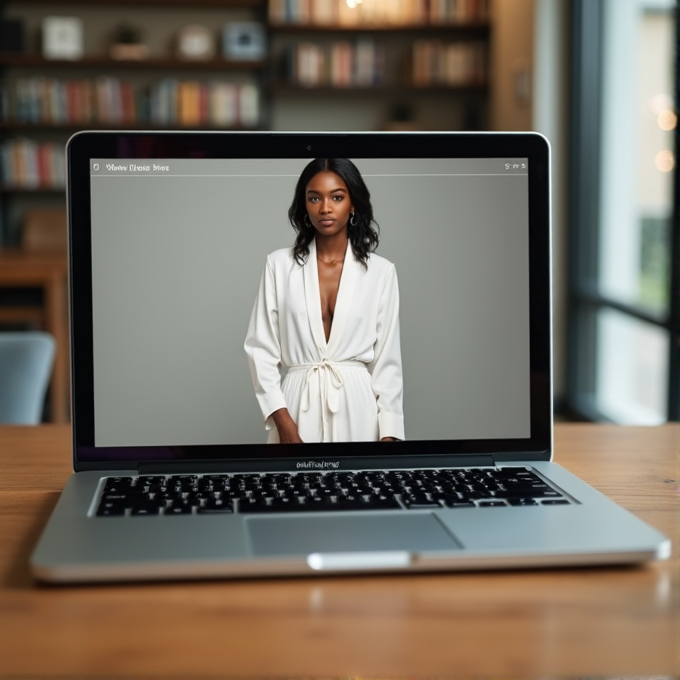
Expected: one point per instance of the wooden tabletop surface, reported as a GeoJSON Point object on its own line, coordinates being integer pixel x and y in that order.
{"type": "Point", "coordinates": [614, 622]}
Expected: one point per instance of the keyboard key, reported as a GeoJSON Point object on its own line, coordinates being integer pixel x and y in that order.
{"type": "Point", "coordinates": [151, 480]}
{"type": "Point", "coordinates": [217, 483]}
{"type": "Point", "coordinates": [145, 509]}
{"type": "Point", "coordinates": [417, 501]}
{"type": "Point", "coordinates": [273, 505]}
{"type": "Point", "coordinates": [522, 492]}
{"type": "Point", "coordinates": [184, 478]}
{"type": "Point", "coordinates": [110, 510]}
{"type": "Point", "coordinates": [179, 508]}
{"type": "Point", "coordinates": [216, 506]}
{"type": "Point", "coordinates": [455, 502]}
{"type": "Point", "coordinates": [381, 503]}
{"type": "Point", "coordinates": [115, 497]}
{"type": "Point", "coordinates": [117, 484]}
{"type": "Point", "coordinates": [171, 495]}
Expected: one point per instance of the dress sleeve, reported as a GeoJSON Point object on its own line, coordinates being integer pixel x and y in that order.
{"type": "Point", "coordinates": [262, 345]}
{"type": "Point", "coordinates": [385, 369]}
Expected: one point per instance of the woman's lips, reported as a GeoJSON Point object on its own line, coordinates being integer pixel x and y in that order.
{"type": "Point", "coordinates": [327, 222]}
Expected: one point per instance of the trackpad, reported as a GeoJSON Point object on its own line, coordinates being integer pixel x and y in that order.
{"type": "Point", "coordinates": [286, 535]}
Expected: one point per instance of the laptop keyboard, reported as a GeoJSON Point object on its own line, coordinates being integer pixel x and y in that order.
{"type": "Point", "coordinates": [329, 491]}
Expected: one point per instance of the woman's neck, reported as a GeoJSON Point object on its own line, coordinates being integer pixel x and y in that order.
{"type": "Point", "coordinates": [331, 247]}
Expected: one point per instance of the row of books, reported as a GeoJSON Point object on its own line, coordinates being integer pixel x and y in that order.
{"type": "Point", "coordinates": [455, 64]}
{"type": "Point", "coordinates": [26, 164]}
{"type": "Point", "coordinates": [378, 12]}
{"type": "Point", "coordinates": [113, 101]}
{"type": "Point", "coordinates": [341, 64]}
{"type": "Point", "coordinates": [362, 64]}
{"type": "Point", "coordinates": [195, 104]}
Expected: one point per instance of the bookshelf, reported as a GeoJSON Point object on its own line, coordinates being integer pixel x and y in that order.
{"type": "Point", "coordinates": [44, 101]}
{"type": "Point", "coordinates": [379, 64]}
{"type": "Point", "coordinates": [150, 64]}
{"type": "Point", "coordinates": [366, 60]}
{"type": "Point", "coordinates": [377, 13]}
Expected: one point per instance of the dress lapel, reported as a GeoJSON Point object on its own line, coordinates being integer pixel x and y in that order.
{"type": "Point", "coordinates": [313, 298]}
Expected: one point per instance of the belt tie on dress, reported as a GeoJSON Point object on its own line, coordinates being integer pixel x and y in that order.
{"type": "Point", "coordinates": [330, 381]}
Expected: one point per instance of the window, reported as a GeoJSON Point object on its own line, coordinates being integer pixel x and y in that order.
{"type": "Point", "coordinates": [624, 319]}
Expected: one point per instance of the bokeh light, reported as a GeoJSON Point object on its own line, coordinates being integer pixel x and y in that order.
{"type": "Point", "coordinates": [665, 161]}
{"type": "Point", "coordinates": [667, 119]}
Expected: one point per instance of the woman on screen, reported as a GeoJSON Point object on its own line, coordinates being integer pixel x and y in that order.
{"type": "Point", "coordinates": [323, 342]}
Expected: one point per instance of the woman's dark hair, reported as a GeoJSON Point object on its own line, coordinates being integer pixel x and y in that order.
{"type": "Point", "coordinates": [363, 234]}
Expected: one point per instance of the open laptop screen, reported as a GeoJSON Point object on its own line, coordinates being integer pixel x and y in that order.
{"type": "Point", "coordinates": [168, 255]}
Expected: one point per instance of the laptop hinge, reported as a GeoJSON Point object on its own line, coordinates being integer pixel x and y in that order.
{"type": "Point", "coordinates": [411, 462]}
{"type": "Point", "coordinates": [181, 467]}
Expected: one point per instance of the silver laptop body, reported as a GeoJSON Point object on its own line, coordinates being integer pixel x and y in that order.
{"type": "Point", "coordinates": [184, 285]}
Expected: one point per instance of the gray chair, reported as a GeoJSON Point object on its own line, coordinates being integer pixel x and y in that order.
{"type": "Point", "coordinates": [26, 359]}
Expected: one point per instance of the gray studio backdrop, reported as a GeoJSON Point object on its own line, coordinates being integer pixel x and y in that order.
{"type": "Point", "coordinates": [178, 248]}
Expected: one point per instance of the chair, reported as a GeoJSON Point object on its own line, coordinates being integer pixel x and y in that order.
{"type": "Point", "coordinates": [26, 360]}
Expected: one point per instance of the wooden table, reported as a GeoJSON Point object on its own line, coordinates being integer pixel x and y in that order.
{"type": "Point", "coordinates": [563, 622]}
{"type": "Point", "coordinates": [49, 272]}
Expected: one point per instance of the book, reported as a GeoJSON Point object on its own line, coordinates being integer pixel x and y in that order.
{"type": "Point", "coordinates": [188, 104]}
{"type": "Point", "coordinates": [224, 105]}
{"type": "Point", "coordinates": [249, 105]}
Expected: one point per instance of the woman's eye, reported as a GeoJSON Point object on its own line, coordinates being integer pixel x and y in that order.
{"type": "Point", "coordinates": [338, 198]}
{"type": "Point", "coordinates": [313, 199]}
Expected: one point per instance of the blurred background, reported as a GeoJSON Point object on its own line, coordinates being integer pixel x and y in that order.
{"type": "Point", "coordinates": [599, 78]}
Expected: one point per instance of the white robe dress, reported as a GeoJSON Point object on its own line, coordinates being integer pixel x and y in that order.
{"type": "Point", "coordinates": [349, 389]}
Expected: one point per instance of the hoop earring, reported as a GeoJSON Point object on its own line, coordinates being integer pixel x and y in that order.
{"type": "Point", "coordinates": [307, 222]}
{"type": "Point", "coordinates": [352, 219]}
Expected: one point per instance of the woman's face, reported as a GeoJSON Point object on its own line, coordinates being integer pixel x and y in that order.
{"type": "Point", "coordinates": [328, 203]}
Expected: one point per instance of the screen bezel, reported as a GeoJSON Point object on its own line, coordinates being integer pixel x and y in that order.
{"type": "Point", "coordinates": [87, 145]}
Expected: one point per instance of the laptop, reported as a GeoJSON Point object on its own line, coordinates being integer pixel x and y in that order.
{"type": "Point", "coordinates": [252, 398]}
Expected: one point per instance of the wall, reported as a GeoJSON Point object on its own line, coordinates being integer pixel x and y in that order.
{"type": "Point", "coordinates": [549, 112]}
{"type": "Point", "coordinates": [512, 54]}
